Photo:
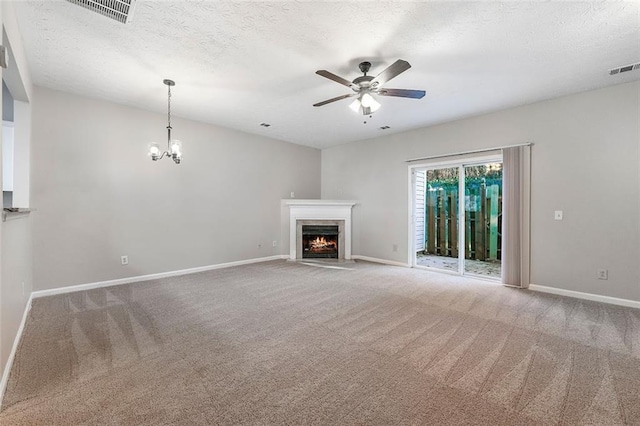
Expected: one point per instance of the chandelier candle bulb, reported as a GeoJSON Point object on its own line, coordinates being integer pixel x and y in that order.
{"type": "Point", "coordinates": [176, 150]}
{"type": "Point", "coordinates": [154, 151]}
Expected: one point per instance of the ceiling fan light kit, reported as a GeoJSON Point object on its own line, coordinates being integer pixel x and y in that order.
{"type": "Point", "coordinates": [365, 86]}
{"type": "Point", "coordinates": [366, 103]}
{"type": "Point", "coordinates": [174, 146]}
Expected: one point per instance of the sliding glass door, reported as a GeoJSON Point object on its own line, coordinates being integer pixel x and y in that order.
{"type": "Point", "coordinates": [483, 219]}
{"type": "Point", "coordinates": [439, 205]}
{"type": "Point", "coordinates": [457, 217]}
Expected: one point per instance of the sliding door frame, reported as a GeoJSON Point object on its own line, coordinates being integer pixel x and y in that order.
{"type": "Point", "coordinates": [460, 164]}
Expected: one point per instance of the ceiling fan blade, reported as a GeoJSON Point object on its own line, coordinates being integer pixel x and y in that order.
{"type": "Point", "coordinates": [337, 79]}
{"type": "Point", "coordinates": [337, 98]}
{"type": "Point", "coordinates": [395, 69]}
{"type": "Point", "coordinates": [402, 93]}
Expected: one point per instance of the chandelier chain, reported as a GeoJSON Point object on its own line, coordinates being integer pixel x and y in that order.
{"type": "Point", "coordinates": [169, 107]}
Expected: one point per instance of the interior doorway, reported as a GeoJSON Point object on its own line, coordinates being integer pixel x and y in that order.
{"type": "Point", "coordinates": [457, 216]}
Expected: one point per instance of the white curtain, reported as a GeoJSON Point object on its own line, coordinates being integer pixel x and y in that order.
{"type": "Point", "coordinates": [516, 200]}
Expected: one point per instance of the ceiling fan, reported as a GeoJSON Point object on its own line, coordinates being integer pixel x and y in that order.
{"type": "Point", "coordinates": [365, 86]}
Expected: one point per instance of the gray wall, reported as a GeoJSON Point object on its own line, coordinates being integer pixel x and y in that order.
{"type": "Point", "coordinates": [584, 162]}
{"type": "Point", "coordinates": [98, 196]}
{"type": "Point", "coordinates": [16, 278]}
{"type": "Point", "coordinates": [15, 235]}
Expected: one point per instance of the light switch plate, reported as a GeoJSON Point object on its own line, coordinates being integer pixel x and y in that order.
{"type": "Point", "coordinates": [558, 215]}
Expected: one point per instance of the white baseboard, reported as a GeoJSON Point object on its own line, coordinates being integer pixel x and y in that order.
{"type": "Point", "coordinates": [586, 296]}
{"type": "Point", "coordinates": [383, 261]}
{"type": "Point", "coordinates": [128, 280]}
{"type": "Point", "coordinates": [14, 349]}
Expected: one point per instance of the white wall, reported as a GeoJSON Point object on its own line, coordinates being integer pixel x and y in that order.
{"type": "Point", "coordinates": [22, 155]}
{"type": "Point", "coordinates": [98, 196]}
{"type": "Point", "coordinates": [585, 161]}
{"type": "Point", "coordinates": [7, 155]}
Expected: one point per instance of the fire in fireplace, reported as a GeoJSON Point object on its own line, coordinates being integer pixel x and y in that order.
{"type": "Point", "coordinates": [319, 241]}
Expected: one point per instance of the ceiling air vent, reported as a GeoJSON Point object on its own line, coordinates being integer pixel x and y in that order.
{"type": "Point", "coordinates": [119, 10]}
{"type": "Point", "coordinates": [624, 68]}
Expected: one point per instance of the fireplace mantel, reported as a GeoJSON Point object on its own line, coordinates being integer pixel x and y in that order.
{"type": "Point", "coordinates": [327, 210]}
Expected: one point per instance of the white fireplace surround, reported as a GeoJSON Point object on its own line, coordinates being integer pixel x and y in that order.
{"type": "Point", "coordinates": [318, 210]}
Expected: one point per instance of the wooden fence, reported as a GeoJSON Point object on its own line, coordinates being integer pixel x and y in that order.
{"type": "Point", "coordinates": [483, 223]}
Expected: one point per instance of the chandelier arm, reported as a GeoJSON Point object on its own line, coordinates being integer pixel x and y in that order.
{"type": "Point", "coordinates": [165, 153]}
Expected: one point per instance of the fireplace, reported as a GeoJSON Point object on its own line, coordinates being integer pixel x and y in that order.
{"type": "Point", "coordinates": [320, 241]}
{"type": "Point", "coordinates": [327, 229]}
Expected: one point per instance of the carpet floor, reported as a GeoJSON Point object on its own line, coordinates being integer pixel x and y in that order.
{"type": "Point", "coordinates": [290, 343]}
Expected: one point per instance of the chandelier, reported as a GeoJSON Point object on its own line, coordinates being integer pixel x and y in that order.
{"type": "Point", "coordinates": [174, 147]}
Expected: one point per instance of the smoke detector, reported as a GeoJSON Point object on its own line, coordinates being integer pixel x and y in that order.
{"type": "Point", "coordinates": [118, 10]}
{"type": "Point", "coordinates": [624, 68]}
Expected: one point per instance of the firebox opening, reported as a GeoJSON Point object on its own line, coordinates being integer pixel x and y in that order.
{"type": "Point", "coordinates": [320, 241]}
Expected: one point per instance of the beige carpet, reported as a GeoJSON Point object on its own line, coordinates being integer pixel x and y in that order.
{"type": "Point", "coordinates": [288, 343]}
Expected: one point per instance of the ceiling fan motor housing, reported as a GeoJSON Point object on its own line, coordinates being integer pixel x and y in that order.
{"type": "Point", "coordinates": [365, 67]}
{"type": "Point", "coordinates": [363, 81]}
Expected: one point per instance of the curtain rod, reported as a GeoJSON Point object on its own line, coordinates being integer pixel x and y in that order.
{"type": "Point", "coordinates": [467, 152]}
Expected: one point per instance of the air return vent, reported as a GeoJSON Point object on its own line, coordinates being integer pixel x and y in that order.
{"type": "Point", "coordinates": [119, 10]}
{"type": "Point", "coordinates": [624, 68]}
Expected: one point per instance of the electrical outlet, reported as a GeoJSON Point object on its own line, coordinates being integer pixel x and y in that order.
{"type": "Point", "coordinates": [24, 290]}
{"type": "Point", "coordinates": [558, 215]}
{"type": "Point", "coordinates": [603, 274]}
{"type": "Point", "coordinates": [124, 260]}
{"type": "Point", "coordinates": [395, 247]}
{"type": "Point", "coordinates": [293, 194]}
{"type": "Point", "coordinates": [275, 243]}
{"type": "Point", "coordinates": [259, 245]}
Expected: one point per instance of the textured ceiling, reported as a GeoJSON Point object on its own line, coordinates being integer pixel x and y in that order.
{"type": "Point", "coordinates": [238, 64]}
